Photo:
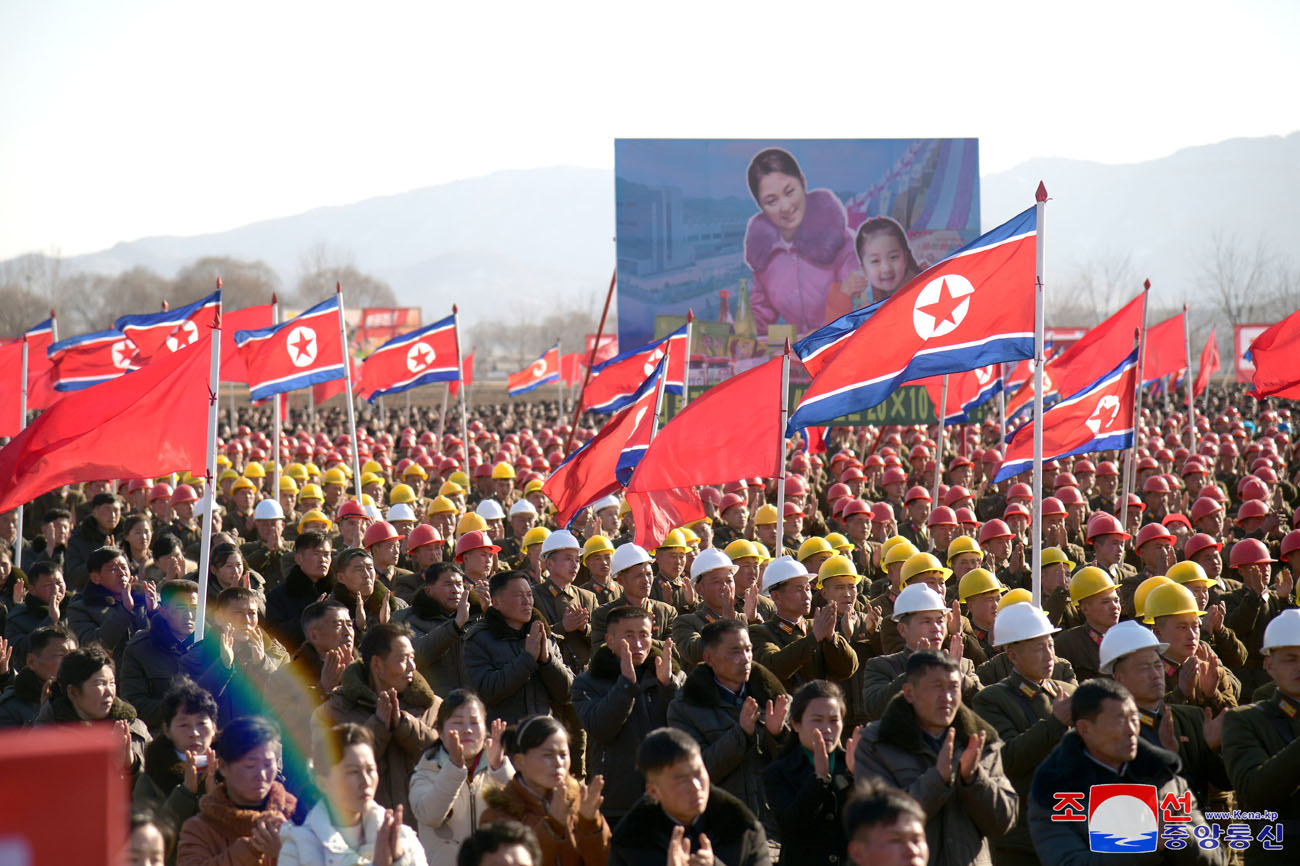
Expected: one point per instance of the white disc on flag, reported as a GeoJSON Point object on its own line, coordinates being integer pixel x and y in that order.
{"type": "Point", "coordinates": [302, 346]}
{"type": "Point", "coordinates": [941, 306]}
{"type": "Point", "coordinates": [419, 357]}
{"type": "Point", "coordinates": [122, 354]}
{"type": "Point", "coordinates": [1104, 414]}
{"type": "Point", "coordinates": [188, 333]}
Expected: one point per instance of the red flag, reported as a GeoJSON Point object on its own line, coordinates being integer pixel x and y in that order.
{"type": "Point", "coordinates": [571, 367]}
{"type": "Point", "coordinates": [1165, 348]}
{"type": "Point", "coordinates": [233, 368]}
{"type": "Point", "coordinates": [588, 473]}
{"type": "Point", "coordinates": [1097, 351]}
{"type": "Point", "coordinates": [608, 347]}
{"type": "Point", "coordinates": [11, 359]}
{"type": "Point", "coordinates": [816, 438]}
{"type": "Point", "coordinates": [466, 372]}
{"type": "Point", "coordinates": [732, 431]}
{"type": "Point", "coordinates": [1274, 354]}
{"type": "Point", "coordinates": [325, 390]}
{"type": "Point", "coordinates": [613, 383]}
{"type": "Point", "coordinates": [420, 357]}
{"type": "Point", "coordinates": [170, 329]}
{"type": "Point", "coordinates": [147, 424]}
{"type": "Point", "coordinates": [1209, 364]}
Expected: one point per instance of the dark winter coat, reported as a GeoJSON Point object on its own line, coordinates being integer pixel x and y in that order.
{"type": "Point", "coordinates": [736, 836]}
{"type": "Point", "coordinates": [1261, 749]}
{"type": "Point", "coordinates": [285, 604]}
{"type": "Point", "coordinates": [161, 790]}
{"type": "Point", "coordinates": [151, 660]}
{"type": "Point", "coordinates": [84, 540]}
{"type": "Point", "coordinates": [439, 644]}
{"type": "Point", "coordinates": [22, 701]}
{"type": "Point", "coordinates": [809, 810]}
{"type": "Point", "coordinates": [512, 684]}
{"type": "Point", "coordinates": [59, 710]}
{"type": "Point", "coordinates": [95, 614]}
{"type": "Point", "coordinates": [24, 619]}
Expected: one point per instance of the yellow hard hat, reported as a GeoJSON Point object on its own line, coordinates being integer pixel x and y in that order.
{"type": "Point", "coordinates": [401, 493]}
{"type": "Point", "coordinates": [227, 475]}
{"type": "Point", "coordinates": [287, 484]}
{"type": "Point", "coordinates": [504, 471]}
{"type": "Point", "coordinates": [1169, 599]}
{"type": "Point", "coordinates": [367, 499]}
{"type": "Point", "coordinates": [450, 488]}
{"type": "Point", "coordinates": [310, 491]}
{"type": "Point", "coordinates": [314, 516]}
{"type": "Point", "coordinates": [889, 543]}
{"type": "Point", "coordinates": [243, 484]}
{"type": "Point", "coordinates": [297, 472]}
{"type": "Point", "coordinates": [840, 542]}
{"type": "Point", "coordinates": [442, 505]}
{"type": "Point", "coordinates": [837, 566]}
{"type": "Point", "coordinates": [596, 544]}
{"type": "Point", "coordinates": [977, 581]}
{"type": "Point", "coordinates": [334, 476]}
{"type": "Point", "coordinates": [470, 521]}
{"type": "Point", "coordinates": [535, 486]}
{"type": "Point", "coordinates": [741, 548]}
{"type": "Point", "coordinates": [1144, 589]}
{"type": "Point", "coordinates": [1053, 555]}
{"type": "Point", "coordinates": [766, 515]}
{"type": "Point", "coordinates": [674, 540]}
{"type": "Point", "coordinates": [962, 544]}
{"type": "Point", "coordinates": [460, 479]}
{"type": "Point", "coordinates": [254, 470]}
{"type": "Point", "coordinates": [763, 553]}
{"type": "Point", "coordinates": [624, 507]}
{"type": "Point", "coordinates": [813, 546]}
{"type": "Point", "coordinates": [1015, 596]}
{"type": "Point", "coordinates": [1089, 581]}
{"type": "Point", "coordinates": [372, 466]}
{"type": "Point", "coordinates": [898, 553]}
{"type": "Point", "coordinates": [368, 478]}
{"type": "Point", "coordinates": [415, 469]}
{"type": "Point", "coordinates": [223, 461]}
{"type": "Point", "coordinates": [1186, 572]}
{"type": "Point", "coordinates": [536, 535]}
{"type": "Point", "coordinates": [920, 563]}
{"type": "Point", "coordinates": [692, 540]}
{"type": "Point", "coordinates": [313, 471]}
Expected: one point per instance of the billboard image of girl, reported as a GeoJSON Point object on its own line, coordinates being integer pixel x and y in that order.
{"type": "Point", "coordinates": [798, 245]}
{"type": "Point", "coordinates": [887, 265]}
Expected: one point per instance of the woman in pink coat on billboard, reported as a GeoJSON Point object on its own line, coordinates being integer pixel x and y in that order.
{"type": "Point", "coordinates": [798, 245]}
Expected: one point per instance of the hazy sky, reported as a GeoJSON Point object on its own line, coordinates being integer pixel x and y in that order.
{"type": "Point", "coordinates": [120, 120]}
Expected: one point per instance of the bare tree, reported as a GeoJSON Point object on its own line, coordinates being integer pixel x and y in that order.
{"type": "Point", "coordinates": [20, 309]}
{"type": "Point", "coordinates": [243, 283]}
{"type": "Point", "coordinates": [322, 267]}
{"type": "Point", "coordinates": [1092, 290]}
{"type": "Point", "coordinates": [1240, 278]}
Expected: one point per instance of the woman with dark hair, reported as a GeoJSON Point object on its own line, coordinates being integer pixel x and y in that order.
{"type": "Point", "coordinates": [137, 536]}
{"type": "Point", "coordinates": [85, 691]}
{"type": "Point", "coordinates": [179, 765]}
{"type": "Point", "coordinates": [148, 842]}
{"type": "Point", "coordinates": [809, 783]}
{"type": "Point", "coordinates": [347, 826]}
{"type": "Point", "coordinates": [227, 570]}
{"type": "Point", "coordinates": [168, 560]}
{"type": "Point", "coordinates": [240, 817]}
{"type": "Point", "coordinates": [447, 786]}
{"type": "Point", "coordinates": [563, 812]}
{"type": "Point", "coordinates": [798, 245]}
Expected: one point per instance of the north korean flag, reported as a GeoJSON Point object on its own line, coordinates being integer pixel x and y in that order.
{"type": "Point", "coordinates": [421, 357]}
{"type": "Point", "coordinates": [543, 371]}
{"type": "Point", "coordinates": [306, 350]}
{"type": "Point", "coordinates": [1098, 418]}
{"type": "Point", "coordinates": [170, 329]}
{"type": "Point", "coordinates": [967, 391]}
{"type": "Point", "coordinates": [817, 349]}
{"type": "Point", "coordinates": [972, 309]}
{"type": "Point", "coordinates": [614, 382]}
{"type": "Point", "coordinates": [88, 360]}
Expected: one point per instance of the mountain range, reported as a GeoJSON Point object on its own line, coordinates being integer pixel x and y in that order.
{"type": "Point", "coordinates": [508, 244]}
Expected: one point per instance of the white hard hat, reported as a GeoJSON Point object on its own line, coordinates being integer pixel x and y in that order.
{"type": "Point", "coordinates": [626, 556]}
{"type": "Point", "coordinates": [709, 559]}
{"type": "Point", "coordinates": [560, 539]}
{"type": "Point", "coordinates": [1123, 638]}
{"type": "Point", "coordinates": [780, 570]}
{"type": "Point", "coordinates": [604, 502]}
{"type": "Point", "coordinates": [1020, 621]}
{"type": "Point", "coordinates": [372, 511]}
{"type": "Point", "coordinates": [1284, 630]}
{"type": "Point", "coordinates": [400, 511]}
{"type": "Point", "coordinates": [915, 598]}
{"type": "Point", "coordinates": [490, 509]}
{"type": "Point", "coordinates": [523, 506]}
{"type": "Point", "coordinates": [268, 509]}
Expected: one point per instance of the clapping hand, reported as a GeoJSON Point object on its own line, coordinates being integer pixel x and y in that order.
{"type": "Point", "coordinates": [193, 772]}
{"type": "Point", "coordinates": [970, 756]}
{"type": "Point", "coordinates": [749, 715]}
{"type": "Point", "coordinates": [852, 748]}
{"type": "Point", "coordinates": [575, 618]}
{"type": "Point", "coordinates": [388, 842]}
{"type": "Point", "coordinates": [590, 798]}
{"type": "Point", "coordinates": [664, 663]}
{"type": "Point", "coordinates": [265, 839]}
{"type": "Point", "coordinates": [823, 626]}
{"type": "Point", "coordinates": [495, 748]}
{"type": "Point", "coordinates": [387, 709]}
{"type": "Point", "coordinates": [774, 718]}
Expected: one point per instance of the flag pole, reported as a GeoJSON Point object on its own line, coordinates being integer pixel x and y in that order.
{"type": "Point", "coordinates": [408, 408]}
{"type": "Point", "coordinates": [460, 377]}
{"type": "Point", "coordinates": [938, 454]}
{"type": "Point", "coordinates": [780, 451]}
{"type": "Point", "coordinates": [22, 425]}
{"type": "Point", "coordinates": [347, 390]}
{"type": "Point", "coordinates": [1188, 383]}
{"type": "Point", "coordinates": [1130, 459]}
{"type": "Point", "coordinates": [275, 413]}
{"type": "Point", "coordinates": [659, 398]}
{"type": "Point", "coordinates": [686, 372]}
{"type": "Point", "coordinates": [442, 416]}
{"type": "Point", "coordinates": [1040, 315]}
{"type": "Point", "coordinates": [210, 472]}
{"type": "Point", "coordinates": [591, 362]}
{"type": "Point", "coordinates": [559, 381]}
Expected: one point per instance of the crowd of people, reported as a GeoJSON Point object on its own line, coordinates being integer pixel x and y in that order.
{"type": "Point", "coordinates": [434, 671]}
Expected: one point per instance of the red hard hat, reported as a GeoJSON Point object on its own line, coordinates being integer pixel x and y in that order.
{"type": "Point", "coordinates": [474, 540]}
{"type": "Point", "coordinates": [874, 460]}
{"type": "Point", "coordinates": [1134, 501]}
{"type": "Point", "coordinates": [1251, 508]}
{"type": "Point", "coordinates": [1017, 508]}
{"type": "Point", "coordinates": [799, 462]}
{"type": "Point", "coordinates": [1071, 496]}
{"type": "Point", "coordinates": [966, 517]}
{"type": "Point", "coordinates": [1227, 449]}
{"type": "Point", "coordinates": [1064, 479]}
{"type": "Point", "coordinates": [708, 494]}
{"type": "Point", "coordinates": [1198, 542]}
{"type": "Point", "coordinates": [942, 516]}
{"type": "Point", "coordinates": [1291, 542]}
{"type": "Point", "coordinates": [837, 490]}
{"type": "Point", "coordinates": [1153, 532]}
{"type": "Point", "coordinates": [1054, 507]}
{"type": "Point", "coordinates": [730, 501]}
{"type": "Point", "coordinates": [1249, 551]}
{"type": "Point", "coordinates": [1266, 474]}
{"type": "Point", "coordinates": [853, 473]}
{"type": "Point", "coordinates": [994, 529]}
{"type": "Point", "coordinates": [1193, 467]}
{"type": "Point", "coordinates": [1102, 523]}
{"type": "Point", "coordinates": [423, 535]}
{"type": "Point", "coordinates": [1213, 491]}
{"type": "Point", "coordinates": [796, 486]}
{"type": "Point", "coordinates": [958, 462]}
{"type": "Point", "coordinates": [184, 493]}
{"type": "Point", "coordinates": [735, 486]}
{"type": "Point", "coordinates": [1155, 484]}
{"type": "Point", "coordinates": [1148, 463]}
{"type": "Point", "coordinates": [352, 508]}
{"type": "Point", "coordinates": [917, 492]}
{"type": "Point", "coordinates": [1175, 517]}
{"type": "Point", "coordinates": [893, 475]}
{"type": "Point", "coordinates": [992, 455]}
{"type": "Point", "coordinates": [883, 512]}
{"type": "Point", "coordinates": [1105, 468]}
{"type": "Point", "coordinates": [856, 506]}
{"type": "Point", "coordinates": [380, 530]}
{"type": "Point", "coordinates": [955, 494]}
{"type": "Point", "coordinates": [1204, 507]}
{"type": "Point", "coordinates": [1252, 488]}
{"type": "Point", "coordinates": [1020, 490]}
{"type": "Point", "coordinates": [1084, 467]}
{"type": "Point", "coordinates": [792, 510]}
{"type": "Point", "coordinates": [160, 491]}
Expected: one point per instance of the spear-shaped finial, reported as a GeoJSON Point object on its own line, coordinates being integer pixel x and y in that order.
{"type": "Point", "coordinates": [1041, 194]}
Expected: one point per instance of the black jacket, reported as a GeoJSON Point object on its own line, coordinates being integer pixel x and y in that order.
{"type": "Point", "coordinates": [736, 836]}
{"type": "Point", "coordinates": [22, 701]}
{"type": "Point", "coordinates": [84, 540]}
{"type": "Point", "coordinates": [807, 809]}
{"type": "Point", "coordinates": [285, 604]}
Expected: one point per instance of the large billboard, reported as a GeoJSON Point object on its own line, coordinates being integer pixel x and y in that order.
{"type": "Point", "coordinates": [769, 239]}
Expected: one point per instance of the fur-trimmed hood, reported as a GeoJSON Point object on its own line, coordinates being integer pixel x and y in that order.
{"type": "Point", "coordinates": [427, 609]}
{"type": "Point", "coordinates": [899, 728]}
{"type": "Point", "coordinates": [702, 690]}
{"type": "Point", "coordinates": [606, 666]}
{"type": "Point", "coordinates": [356, 688]}
{"type": "Point", "coordinates": [496, 625]}
{"type": "Point", "coordinates": [60, 709]}
{"type": "Point", "coordinates": [28, 686]}
{"type": "Point", "coordinates": [298, 585]}
{"type": "Point", "coordinates": [820, 237]}
{"type": "Point", "coordinates": [235, 822]}
{"type": "Point", "coordinates": [1060, 770]}
{"type": "Point", "coordinates": [517, 801]}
